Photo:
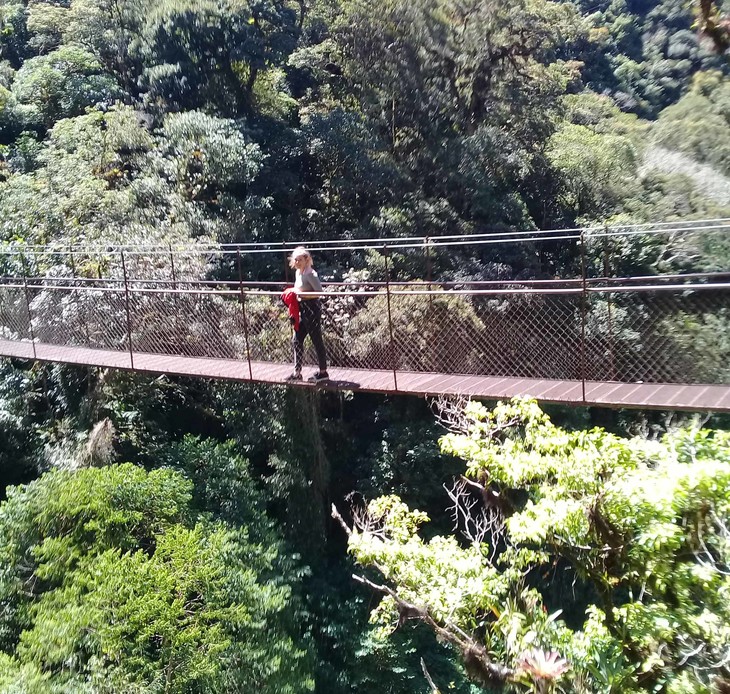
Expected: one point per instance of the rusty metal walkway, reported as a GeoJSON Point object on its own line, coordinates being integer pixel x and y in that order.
{"type": "Point", "coordinates": [590, 393]}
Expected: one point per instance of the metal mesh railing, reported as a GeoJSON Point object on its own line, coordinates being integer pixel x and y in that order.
{"type": "Point", "coordinates": [14, 317]}
{"type": "Point", "coordinates": [659, 335]}
{"type": "Point", "coordinates": [596, 331]}
{"type": "Point", "coordinates": [83, 317]}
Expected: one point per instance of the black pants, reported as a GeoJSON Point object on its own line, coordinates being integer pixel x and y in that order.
{"type": "Point", "coordinates": [310, 323]}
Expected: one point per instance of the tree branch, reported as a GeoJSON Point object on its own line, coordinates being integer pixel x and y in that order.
{"type": "Point", "coordinates": [336, 515]}
{"type": "Point", "coordinates": [475, 655]}
{"type": "Point", "coordinates": [431, 683]}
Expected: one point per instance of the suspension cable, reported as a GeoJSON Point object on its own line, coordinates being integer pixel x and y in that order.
{"type": "Point", "coordinates": [398, 243]}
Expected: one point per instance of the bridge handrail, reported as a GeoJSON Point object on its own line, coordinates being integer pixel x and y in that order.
{"type": "Point", "coordinates": [243, 294]}
{"type": "Point", "coordinates": [595, 231]}
{"type": "Point", "coordinates": [395, 283]}
{"type": "Point", "coordinates": [363, 289]}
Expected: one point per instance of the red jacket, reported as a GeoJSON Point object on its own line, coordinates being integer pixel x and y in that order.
{"type": "Point", "coordinates": [290, 298]}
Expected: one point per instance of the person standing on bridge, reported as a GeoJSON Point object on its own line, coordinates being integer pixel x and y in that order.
{"type": "Point", "coordinates": [308, 288]}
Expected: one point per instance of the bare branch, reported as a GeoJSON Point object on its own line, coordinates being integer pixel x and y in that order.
{"type": "Point", "coordinates": [336, 515]}
{"type": "Point", "coordinates": [449, 412]}
{"type": "Point", "coordinates": [429, 679]}
{"type": "Point", "coordinates": [720, 663]}
{"type": "Point", "coordinates": [472, 483]}
{"type": "Point", "coordinates": [406, 610]}
{"type": "Point", "coordinates": [690, 654]}
{"type": "Point", "coordinates": [476, 522]}
{"type": "Point", "coordinates": [361, 521]}
{"type": "Point", "coordinates": [705, 556]}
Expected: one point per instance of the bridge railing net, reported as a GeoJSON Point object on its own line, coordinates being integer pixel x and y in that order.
{"type": "Point", "coordinates": [14, 316]}
{"type": "Point", "coordinates": [88, 317]}
{"type": "Point", "coordinates": [603, 332]}
{"type": "Point", "coordinates": [659, 335]}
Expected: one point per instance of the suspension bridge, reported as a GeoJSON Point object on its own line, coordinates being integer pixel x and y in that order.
{"type": "Point", "coordinates": [595, 338]}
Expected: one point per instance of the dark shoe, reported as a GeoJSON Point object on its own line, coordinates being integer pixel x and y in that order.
{"type": "Point", "coordinates": [319, 376]}
{"type": "Point", "coordinates": [295, 376]}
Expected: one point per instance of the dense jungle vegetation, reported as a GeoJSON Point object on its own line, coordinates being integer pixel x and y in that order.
{"type": "Point", "coordinates": [175, 535]}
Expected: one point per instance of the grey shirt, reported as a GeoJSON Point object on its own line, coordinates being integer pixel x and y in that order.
{"type": "Point", "coordinates": [307, 281]}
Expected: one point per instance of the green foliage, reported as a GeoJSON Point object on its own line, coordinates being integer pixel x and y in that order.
{"type": "Point", "coordinates": [643, 522]}
{"type": "Point", "coordinates": [459, 94]}
{"type": "Point", "coordinates": [59, 85]}
{"type": "Point", "coordinates": [699, 123]}
{"type": "Point", "coordinates": [445, 28]}
{"type": "Point", "coordinates": [40, 407]}
{"type": "Point", "coordinates": [13, 32]}
{"type": "Point", "coordinates": [19, 445]}
{"type": "Point", "coordinates": [200, 53]}
{"type": "Point", "coordinates": [46, 23]}
{"type": "Point", "coordinates": [215, 152]}
{"type": "Point", "coordinates": [596, 170]}
{"type": "Point", "coordinates": [109, 30]}
{"type": "Point", "coordinates": [150, 414]}
{"type": "Point", "coordinates": [130, 185]}
{"type": "Point", "coordinates": [113, 581]}
{"type": "Point", "coordinates": [8, 116]}
{"type": "Point", "coordinates": [352, 169]}
{"type": "Point", "coordinates": [644, 54]}
{"type": "Point", "coordinates": [670, 196]}
{"type": "Point", "coordinates": [222, 481]}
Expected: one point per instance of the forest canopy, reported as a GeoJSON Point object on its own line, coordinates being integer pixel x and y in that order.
{"type": "Point", "coordinates": [282, 120]}
{"type": "Point", "coordinates": [641, 525]}
{"type": "Point", "coordinates": [163, 534]}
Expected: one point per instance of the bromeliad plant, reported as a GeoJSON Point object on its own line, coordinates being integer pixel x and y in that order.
{"type": "Point", "coordinates": [641, 526]}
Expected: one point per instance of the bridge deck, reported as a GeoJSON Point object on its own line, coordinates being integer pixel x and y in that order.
{"type": "Point", "coordinates": [607, 394]}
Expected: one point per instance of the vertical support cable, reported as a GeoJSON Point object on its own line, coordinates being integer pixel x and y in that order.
{"type": "Point", "coordinates": [243, 308]}
{"type": "Point", "coordinates": [606, 273]}
{"type": "Point", "coordinates": [172, 267]}
{"type": "Point", "coordinates": [390, 319]}
{"type": "Point", "coordinates": [583, 312]}
{"type": "Point", "coordinates": [82, 313]}
{"type": "Point", "coordinates": [427, 246]}
{"type": "Point", "coordinates": [129, 315]}
{"type": "Point", "coordinates": [27, 303]}
{"type": "Point", "coordinates": [286, 263]}
{"type": "Point", "coordinates": [176, 316]}
{"type": "Point", "coordinates": [430, 319]}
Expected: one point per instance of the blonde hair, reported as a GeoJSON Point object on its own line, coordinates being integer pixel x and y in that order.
{"type": "Point", "coordinates": [300, 252]}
